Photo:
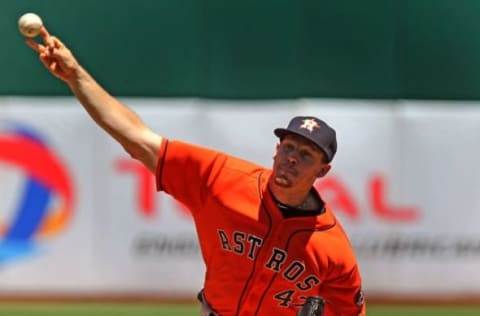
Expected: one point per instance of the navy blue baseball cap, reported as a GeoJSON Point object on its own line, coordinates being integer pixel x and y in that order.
{"type": "Point", "coordinates": [313, 129]}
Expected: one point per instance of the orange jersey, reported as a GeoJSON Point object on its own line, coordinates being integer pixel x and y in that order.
{"type": "Point", "coordinates": [257, 261]}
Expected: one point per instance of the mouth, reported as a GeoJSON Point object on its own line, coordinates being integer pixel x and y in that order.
{"type": "Point", "coordinates": [285, 175]}
{"type": "Point", "coordinates": [282, 179]}
{"type": "Point", "coordinates": [284, 170]}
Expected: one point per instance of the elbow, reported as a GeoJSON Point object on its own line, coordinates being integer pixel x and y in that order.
{"type": "Point", "coordinates": [134, 152]}
{"type": "Point", "coordinates": [143, 146]}
{"type": "Point", "coordinates": [143, 156]}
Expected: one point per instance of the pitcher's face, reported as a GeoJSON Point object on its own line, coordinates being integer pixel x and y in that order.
{"type": "Point", "coordinates": [297, 163]}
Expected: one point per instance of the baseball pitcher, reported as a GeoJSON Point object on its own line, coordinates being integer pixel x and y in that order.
{"type": "Point", "coordinates": [269, 241]}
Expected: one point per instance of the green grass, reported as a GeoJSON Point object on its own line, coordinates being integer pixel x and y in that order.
{"type": "Point", "coordinates": [457, 310]}
{"type": "Point", "coordinates": [63, 309]}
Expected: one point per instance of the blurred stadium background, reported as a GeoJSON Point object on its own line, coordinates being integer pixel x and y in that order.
{"type": "Point", "coordinates": [83, 232]}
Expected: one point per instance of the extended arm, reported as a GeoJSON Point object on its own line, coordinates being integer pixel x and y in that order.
{"type": "Point", "coordinates": [115, 118]}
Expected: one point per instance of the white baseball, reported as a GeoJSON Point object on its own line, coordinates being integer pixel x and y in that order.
{"type": "Point", "coordinates": [30, 24]}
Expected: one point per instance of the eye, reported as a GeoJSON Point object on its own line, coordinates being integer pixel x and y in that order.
{"type": "Point", "coordinates": [287, 147]}
{"type": "Point", "coordinates": [305, 154]}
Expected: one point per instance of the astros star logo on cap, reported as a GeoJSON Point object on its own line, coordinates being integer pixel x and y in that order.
{"type": "Point", "coordinates": [309, 124]}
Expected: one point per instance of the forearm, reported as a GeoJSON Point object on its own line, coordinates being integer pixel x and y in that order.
{"type": "Point", "coordinates": [123, 124]}
{"type": "Point", "coordinates": [110, 114]}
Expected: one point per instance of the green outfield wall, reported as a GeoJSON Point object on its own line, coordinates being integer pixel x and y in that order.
{"type": "Point", "coordinates": [250, 49]}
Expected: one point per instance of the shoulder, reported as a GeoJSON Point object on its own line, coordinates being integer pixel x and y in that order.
{"type": "Point", "coordinates": [175, 150]}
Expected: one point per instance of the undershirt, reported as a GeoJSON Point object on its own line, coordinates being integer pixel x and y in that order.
{"type": "Point", "coordinates": [289, 211]}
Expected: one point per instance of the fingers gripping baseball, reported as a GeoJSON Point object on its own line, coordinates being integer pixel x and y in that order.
{"type": "Point", "coordinates": [54, 55]}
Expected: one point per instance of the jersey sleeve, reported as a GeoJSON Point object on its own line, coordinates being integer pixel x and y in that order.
{"type": "Point", "coordinates": [344, 295]}
{"type": "Point", "coordinates": [185, 171]}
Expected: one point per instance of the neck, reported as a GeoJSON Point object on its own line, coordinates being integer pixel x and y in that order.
{"type": "Point", "coordinates": [295, 199]}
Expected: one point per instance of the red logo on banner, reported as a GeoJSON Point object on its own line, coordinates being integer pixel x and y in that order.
{"type": "Point", "coordinates": [146, 195]}
{"type": "Point", "coordinates": [341, 200]}
{"type": "Point", "coordinates": [332, 188]}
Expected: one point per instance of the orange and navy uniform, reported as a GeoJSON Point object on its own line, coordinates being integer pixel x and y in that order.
{"type": "Point", "coordinates": [257, 261]}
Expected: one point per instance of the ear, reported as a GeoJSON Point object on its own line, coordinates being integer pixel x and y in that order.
{"type": "Point", "coordinates": [276, 150]}
{"type": "Point", "coordinates": [325, 169]}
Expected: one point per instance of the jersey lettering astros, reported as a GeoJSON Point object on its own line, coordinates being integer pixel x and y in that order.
{"type": "Point", "coordinates": [257, 261]}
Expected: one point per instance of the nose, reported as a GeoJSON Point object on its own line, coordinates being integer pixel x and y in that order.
{"type": "Point", "coordinates": [292, 160]}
